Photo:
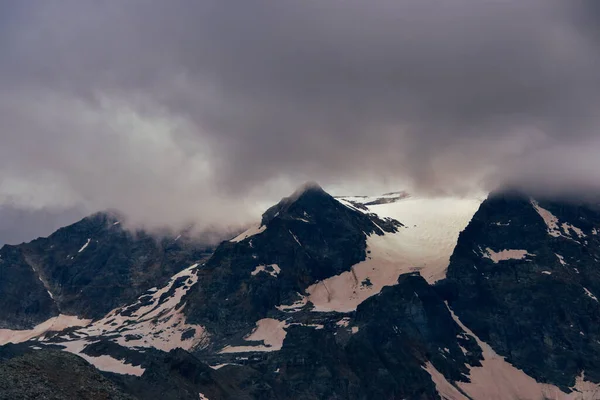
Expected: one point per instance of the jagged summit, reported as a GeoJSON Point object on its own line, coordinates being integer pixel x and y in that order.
{"type": "Point", "coordinates": [309, 196]}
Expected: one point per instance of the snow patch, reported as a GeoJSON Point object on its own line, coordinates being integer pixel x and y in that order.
{"type": "Point", "coordinates": [271, 269]}
{"type": "Point", "coordinates": [104, 362]}
{"type": "Point", "coordinates": [219, 366]}
{"type": "Point", "coordinates": [568, 227]}
{"type": "Point", "coordinates": [203, 397]}
{"type": "Point", "coordinates": [432, 226]}
{"type": "Point", "coordinates": [252, 231]}
{"type": "Point", "coordinates": [549, 218]}
{"type": "Point", "coordinates": [590, 295]}
{"type": "Point", "coordinates": [445, 389]}
{"type": "Point", "coordinates": [295, 238]}
{"type": "Point", "coordinates": [157, 324]}
{"type": "Point", "coordinates": [503, 255]}
{"type": "Point", "coordinates": [294, 307]}
{"type": "Point", "coordinates": [546, 272]}
{"type": "Point", "coordinates": [85, 245]}
{"type": "Point", "coordinates": [561, 259]}
{"type": "Point", "coordinates": [552, 223]}
{"type": "Point", "coordinates": [54, 324]}
{"type": "Point", "coordinates": [268, 330]}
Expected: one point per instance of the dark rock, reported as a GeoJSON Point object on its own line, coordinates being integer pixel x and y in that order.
{"type": "Point", "coordinates": [51, 374]}
{"type": "Point", "coordinates": [533, 311]}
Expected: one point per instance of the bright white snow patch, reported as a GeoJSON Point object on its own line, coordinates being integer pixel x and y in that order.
{"type": "Point", "coordinates": [253, 230]}
{"type": "Point", "coordinates": [154, 324]}
{"type": "Point", "coordinates": [344, 322]}
{"type": "Point", "coordinates": [54, 324]}
{"type": "Point", "coordinates": [85, 245]}
{"type": "Point", "coordinates": [546, 272]}
{"type": "Point", "coordinates": [271, 269]}
{"type": "Point", "coordinates": [590, 295]}
{"type": "Point", "coordinates": [503, 255]}
{"type": "Point", "coordinates": [424, 244]}
{"type": "Point", "coordinates": [203, 397]}
{"type": "Point", "coordinates": [270, 331]}
{"type": "Point", "coordinates": [497, 379]}
{"type": "Point", "coordinates": [104, 362]}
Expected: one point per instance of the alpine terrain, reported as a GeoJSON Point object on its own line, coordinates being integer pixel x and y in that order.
{"type": "Point", "coordinates": [385, 297]}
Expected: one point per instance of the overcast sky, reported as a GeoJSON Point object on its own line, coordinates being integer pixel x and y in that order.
{"type": "Point", "coordinates": [206, 111]}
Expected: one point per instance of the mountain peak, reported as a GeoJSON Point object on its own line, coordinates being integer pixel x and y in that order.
{"type": "Point", "coordinates": [308, 193]}
{"type": "Point", "coordinates": [307, 187]}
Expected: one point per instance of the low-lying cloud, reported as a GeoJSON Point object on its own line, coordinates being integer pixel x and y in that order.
{"type": "Point", "coordinates": [205, 111]}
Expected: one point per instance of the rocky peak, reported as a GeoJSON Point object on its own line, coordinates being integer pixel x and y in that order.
{"type": "Point", "coordinates": [310, 197]}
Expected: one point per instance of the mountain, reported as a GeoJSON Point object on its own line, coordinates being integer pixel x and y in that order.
{"type": "Point", "coordinates": [524, 277]}
{"type": "Point", "coordinates": [386, 297]}
{"type": "Point", "coordinates": [86, 269]}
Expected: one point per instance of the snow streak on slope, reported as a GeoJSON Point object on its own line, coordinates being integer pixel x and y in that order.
{"type": "Point", "coordinates": [552, 222]}
{"type": "Point", "coordinates": [445, 389]}
{"type": "Point", "coordinates": [253, 230]}
{"type": "Point", "coordinates": [424, 244]}
{"type": "Point", "coordinates": [155, 320]}
{"type": "Point", "coordinates": [103, 362]}
{"type": "Point", "coordinates": [269, 331]}
{"type": "Point", "coordinates": [54, 324]}
{"type": "Point", "coordinates": [497, 379]}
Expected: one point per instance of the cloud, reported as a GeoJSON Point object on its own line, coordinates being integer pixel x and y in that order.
{"type": "Point", "coordinates": [203, 110]}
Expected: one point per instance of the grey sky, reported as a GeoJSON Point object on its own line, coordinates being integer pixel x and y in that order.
{"type": "Point", "coordinates": [181, 110]}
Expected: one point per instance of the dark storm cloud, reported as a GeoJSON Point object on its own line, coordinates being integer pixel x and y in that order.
{"type": "Point", "coordinates": [166, 110]}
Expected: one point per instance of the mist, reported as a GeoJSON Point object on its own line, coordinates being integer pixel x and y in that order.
{"type": "Point", "coordinates": [207, 112]}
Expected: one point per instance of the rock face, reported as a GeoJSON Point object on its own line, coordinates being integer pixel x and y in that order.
{"type": "Point", "coordinates": [51, 374]}
{"type": "Point", "coordinates": [381, 351]}
{"type": "Point", "coordinates": [305, 238]}
{"type": "Point", "coordinates": [525, 277]}
{"type": "Point", "coordinates": [86, 269]}
{"type": "Point", "coordinates": [24, 300]}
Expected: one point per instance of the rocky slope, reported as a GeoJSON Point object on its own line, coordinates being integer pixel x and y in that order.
{"type": "Point", "coordinates": [86, 269]}
{"type": "Point", "coordinates": [525, 277]}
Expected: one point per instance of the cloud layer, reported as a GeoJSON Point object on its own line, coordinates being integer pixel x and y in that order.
{"type": "Point", "coordinates": [201, 110]}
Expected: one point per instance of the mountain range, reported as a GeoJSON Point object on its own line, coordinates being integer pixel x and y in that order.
{"type": "Point", "coordinates": [358, 297]}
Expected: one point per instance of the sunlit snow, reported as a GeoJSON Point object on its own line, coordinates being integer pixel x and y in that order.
{"type": "Point", "coordinates": [424, 244]}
